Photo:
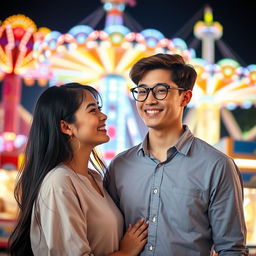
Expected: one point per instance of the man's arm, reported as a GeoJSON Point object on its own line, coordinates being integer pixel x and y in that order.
{"type": "Point", "coordinates": [110, 183]}
{"type": "Point", "coordinates": [226, 211]}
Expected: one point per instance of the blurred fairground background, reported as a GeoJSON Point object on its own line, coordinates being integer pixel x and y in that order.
{"type": "Point", "coordinates": [100, 50]}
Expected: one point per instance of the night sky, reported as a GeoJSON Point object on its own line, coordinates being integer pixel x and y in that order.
{"type": "Point", "coordinates": [171, 17]}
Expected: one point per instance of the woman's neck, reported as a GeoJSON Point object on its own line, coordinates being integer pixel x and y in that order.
{"type": "Point", "coordinates": [79, 161]}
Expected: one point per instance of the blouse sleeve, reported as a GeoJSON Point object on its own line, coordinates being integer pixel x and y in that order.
{"type": "Point", "coordinates": [63, 222]}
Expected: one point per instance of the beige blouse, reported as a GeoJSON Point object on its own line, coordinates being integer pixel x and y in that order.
{"type": "Point", "coordinates": [75, 219]}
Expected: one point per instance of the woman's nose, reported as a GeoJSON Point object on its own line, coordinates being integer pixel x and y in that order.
{"type": "Point", "coordinates": [103, 116]}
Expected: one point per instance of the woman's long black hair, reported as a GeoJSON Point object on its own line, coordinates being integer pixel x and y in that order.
{"type": "Point", "coordinates": [47, 147]}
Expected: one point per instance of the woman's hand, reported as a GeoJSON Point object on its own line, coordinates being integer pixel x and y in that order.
{"type": "Point", "coordinates": [134, 239]}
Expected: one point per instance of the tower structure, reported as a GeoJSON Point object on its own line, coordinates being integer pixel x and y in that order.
{"type": "Point", "coordinates": [219, 86]}
{"type": "Point", "coordinates": [208, 31]}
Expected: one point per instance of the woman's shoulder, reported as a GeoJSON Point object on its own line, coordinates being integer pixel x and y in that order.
{"type": "Point", "coordinates": [60, 177]}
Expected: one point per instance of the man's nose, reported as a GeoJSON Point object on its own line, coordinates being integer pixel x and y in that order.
{"type": "Point", "coordinates": [151, 99]}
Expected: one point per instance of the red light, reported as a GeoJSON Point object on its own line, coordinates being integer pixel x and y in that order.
{"type": "Point", "coordinates": [111, 131]}
{"type": "Point", "coordinates": [18, 33]}
{"type": "Point", "coordinates": [109, 154]}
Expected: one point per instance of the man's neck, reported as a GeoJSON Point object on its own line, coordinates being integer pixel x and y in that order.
{"type": "Point", "coordinates": [160, 141]}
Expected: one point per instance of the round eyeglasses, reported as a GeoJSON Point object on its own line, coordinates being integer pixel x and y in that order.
{"type": "Point", "coordinates": [159, 91]}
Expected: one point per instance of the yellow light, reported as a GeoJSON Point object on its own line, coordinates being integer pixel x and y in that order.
{"type": "Point", "coordinates": [107, 56]}
{"type": "Point", "coordinates": [60, 48]}
{"type": "Point", "coordinates": [20, 21]}
{"type": "Point", "coordinates": [116, 38]}
{"type": "Point", "coordinates": [208, 17]}
{"type": "Point", "coordinates": [128, 59]}
{"type": "Point", "coordinates": [126, 45]}
{"type": "Point", "coordinates": [91, 44]}
{"type": "Point", "coordinates": [21, 158]}
{"type": "Point", "coordinates": [246, 163]}
{"type": "Point", "coordinates": [141, 47]}
{"type": "Point", "coordinates": [41, 58]}
{"type": "Point", "coordinates": [29, 81]}
{"type": "Point", "coordinates": [9, 136]}
{"type": "Point", "coordinates": [42, 81]}
{"type": "Point", "coordinates": [72, 46]}
{"type": "Point", "coordinates": [204, 76]}
{"type": "Point", "coordinates": [228, 71]}
{"type": "Point", "coordinates": [44, 31]}
{"type": "Point", "coordinates": [253, 76]}
{"type": "Point", "coordinates": [250, 213]}
{"type": "Point", "coordinates": [86, 58]}
{"type": "Point", "coordinates": [199, 70]}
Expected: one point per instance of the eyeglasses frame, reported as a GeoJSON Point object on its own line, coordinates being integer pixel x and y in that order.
{"type": "Point", "coordinates": [148, 89]}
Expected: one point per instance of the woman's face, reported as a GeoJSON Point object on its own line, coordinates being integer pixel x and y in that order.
{"type": "Point", "coordinates": [89, 128]}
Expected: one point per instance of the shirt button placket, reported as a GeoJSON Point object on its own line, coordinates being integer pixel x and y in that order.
{"type": "Point", "coordinates": [150, 248]}
{"type": "Point", "coordinates": [155, 191]}
{"type": "Point", "coordinates": [154, 208]}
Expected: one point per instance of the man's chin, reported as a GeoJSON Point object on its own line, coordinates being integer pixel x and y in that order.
{"type": "Point", "coordinates": [153, 126]}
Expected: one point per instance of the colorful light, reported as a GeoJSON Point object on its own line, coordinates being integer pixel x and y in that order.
{"type": "Point", "coordinates": [218, 86]}
{"type": "Point", "coordinates": [103, 58]}
{"type": "Point", "coordinates": [18, 34]}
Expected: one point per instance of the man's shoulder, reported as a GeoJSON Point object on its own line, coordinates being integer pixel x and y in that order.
{"type": "Point", "coordinates": [210, 158]}
{"type": "Point", "coordinates": [203, 148]}
{"type": "Point", "coordinates": [128, 153]}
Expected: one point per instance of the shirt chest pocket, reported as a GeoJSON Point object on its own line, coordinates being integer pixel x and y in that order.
{"type": "Point", "coordinates": [187, 208]}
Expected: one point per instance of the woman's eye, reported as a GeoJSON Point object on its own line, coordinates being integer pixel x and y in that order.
{"type": "Point", "coordinates": [92, 110]}
{"type": "Point", "coordinates": [99, 108]}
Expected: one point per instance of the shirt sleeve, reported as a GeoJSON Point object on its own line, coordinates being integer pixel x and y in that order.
{"type": "Point", "coordinates": [226, 211]}
{"type": "Point", "coordinates": [63, 223]}
{"type": "Point", "coordinates": [110, 183]}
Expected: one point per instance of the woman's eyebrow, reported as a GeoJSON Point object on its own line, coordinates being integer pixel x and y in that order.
{"type": "Point", "coordinates": [91, 105]}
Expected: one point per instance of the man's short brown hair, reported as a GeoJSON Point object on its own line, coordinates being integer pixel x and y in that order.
{"type": "Point", "coordinates": [181, 74]}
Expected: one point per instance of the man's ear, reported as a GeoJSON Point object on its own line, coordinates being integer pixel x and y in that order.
{"type": "Point", "coordinates": [65, 128]}
{"type": "Point", "coordinates": [187, 95]}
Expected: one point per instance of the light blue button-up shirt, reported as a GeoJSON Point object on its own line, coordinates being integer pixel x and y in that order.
{"type": "Point", "coordinates": [193, 200]}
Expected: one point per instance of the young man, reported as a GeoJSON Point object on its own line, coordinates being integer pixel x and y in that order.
{"type": "Point", "coordinates": [190, 193]}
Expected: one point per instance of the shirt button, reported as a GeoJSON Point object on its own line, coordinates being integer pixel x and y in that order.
{"type": "Point", "coordinates": [159, 165]}
{"type": "Point", "coordinates": [154, 219]}
{"type": "Point", "coordinates": [150, 247]}
{"type": "Point", "coordinates": [155, 191]}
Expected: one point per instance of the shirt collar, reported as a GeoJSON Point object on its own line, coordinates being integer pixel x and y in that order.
{"type": "Point", "coordinates": [182, 146]}
{"type": "Point", "coordinates": [184, 143]}
{"type": "Point", "coordinates": [143, 147]}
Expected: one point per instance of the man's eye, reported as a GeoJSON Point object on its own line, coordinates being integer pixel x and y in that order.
{"type": "Point", "coordinates": [161, 91]}
{"type": "Point", "coordinates": [92, 110]}
{"type": "Point", "coordinates": [99, 108]}
{"type": "Point", "coordinates": [141, 91]}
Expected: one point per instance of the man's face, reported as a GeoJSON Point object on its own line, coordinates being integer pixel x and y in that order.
{"type": "Point", "coordinates": [162, 114]}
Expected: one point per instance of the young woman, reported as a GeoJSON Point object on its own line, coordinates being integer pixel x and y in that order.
{"type": "Point", "coordinates": [64, 209]}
